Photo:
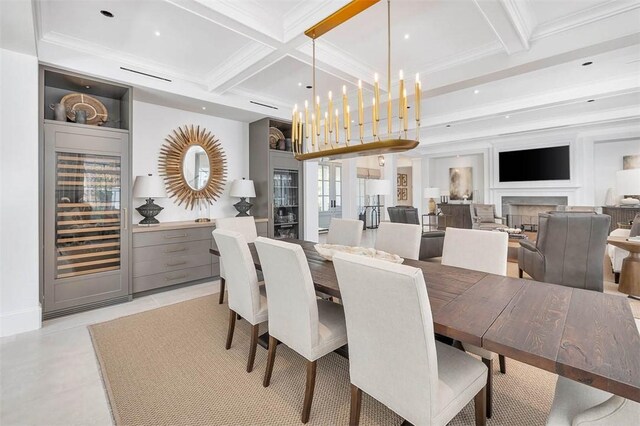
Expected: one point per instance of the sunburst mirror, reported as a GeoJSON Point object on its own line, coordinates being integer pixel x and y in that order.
{"type": "Point", "coordinates": [193, 165]}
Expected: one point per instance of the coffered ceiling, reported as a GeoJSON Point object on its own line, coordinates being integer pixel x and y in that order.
{"type": "Point", "coordinates": [520, 54]}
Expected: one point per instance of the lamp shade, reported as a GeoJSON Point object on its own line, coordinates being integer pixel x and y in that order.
{"type": "Point", "coordinates": [242, 188]}
{"type": "Point", "coordinates": [628, 182]}
{"type": "Point", "coordinates": [378, 187]}
{"type": "Point", "coordinates": [149, 187]}
{"type": "Point", "coordinates": [431, 193]}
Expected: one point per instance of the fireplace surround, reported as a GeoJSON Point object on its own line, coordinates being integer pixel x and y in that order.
{"type": "Point", "coordinates": [522, 211]}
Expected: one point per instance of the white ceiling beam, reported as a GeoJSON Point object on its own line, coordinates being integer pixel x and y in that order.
{"type": "Point", "coordinates": [500, 16]}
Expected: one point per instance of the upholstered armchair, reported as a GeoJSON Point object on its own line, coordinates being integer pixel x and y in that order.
{"type": "Point", "coordinates": [432, 241]}
{"type": "Point", "coordinates": [568, 251]}
{"type": "Point", "coordinates": [403, 214]}
{"type": "Point", "coordinates": [483, 216]}
{"type": "Point", "coordinates": [616, 254]}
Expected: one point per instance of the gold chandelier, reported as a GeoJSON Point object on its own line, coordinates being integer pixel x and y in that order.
{"type": "Point", "coordinates": [316, 138]}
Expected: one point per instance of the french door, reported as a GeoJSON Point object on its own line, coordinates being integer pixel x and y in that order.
{"type": "Point", "coordinates": [329, 193]}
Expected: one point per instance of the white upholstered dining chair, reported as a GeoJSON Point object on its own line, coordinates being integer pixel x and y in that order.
{"type": "Point", "coordinates": [247, 297]}
{"type": "Point", "coordinates": [402, 239]}
{"type": "Point", "coordinates": [310, 326]}
{"type": "Point", "coordinates": [393, 355]}
{"type": "Point", "coordinates": [346, 232]}
{"type": "Point", "coordinates": [245, 225]}
{"type": "Point", "coordinates": [484, 251]}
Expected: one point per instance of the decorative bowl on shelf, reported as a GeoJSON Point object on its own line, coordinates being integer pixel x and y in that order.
{"type": "Point", "coordinates": [275, 135]}
{"type": "Point", "coordinates": [96, 112]}
{"type": "Point", "coordinates": [327, 251]}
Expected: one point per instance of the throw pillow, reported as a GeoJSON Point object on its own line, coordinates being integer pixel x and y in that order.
{"type": "Point", "coordinates": [635, 227]}
{"type": "Point", "coordinates": [485, 214]}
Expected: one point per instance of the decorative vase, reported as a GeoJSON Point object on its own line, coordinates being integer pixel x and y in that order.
{"type": "Point", "coordinates": [287, 144]}
{"type": "Point", "coordinates": [80, 116]}
{"type": "Point", "coordinates": [59, 112]}
{"type": "Point", "coordinates": [610, 198]}
{"type": "Point", "coordinates": [281, 145]}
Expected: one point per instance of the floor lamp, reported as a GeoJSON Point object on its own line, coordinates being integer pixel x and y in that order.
{"type": "Point", "coordinates": [377, 187]}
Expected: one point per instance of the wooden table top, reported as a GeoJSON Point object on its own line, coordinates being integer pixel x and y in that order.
{"type": "Point", "coordinates": [583, 335]}
{"type": "Point", "coordinates": [623, 243]}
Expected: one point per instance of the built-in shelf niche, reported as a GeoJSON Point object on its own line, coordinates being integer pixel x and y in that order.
{"type": "Point", "coordinates": [115, 98]}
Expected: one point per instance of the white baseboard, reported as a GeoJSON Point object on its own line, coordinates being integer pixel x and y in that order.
{"type": "Point", "coordinates": [20, 321]}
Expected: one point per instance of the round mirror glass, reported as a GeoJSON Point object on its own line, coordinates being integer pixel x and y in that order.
{"type": "Point", "coordinates": [195, 167]}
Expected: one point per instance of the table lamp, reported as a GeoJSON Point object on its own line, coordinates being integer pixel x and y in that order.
{"type": "Point", "coordinates": [432, 194]}
{"type": "Point", "coordinates": [628, 186]}
{"type": "Point", "coordinates": [243, 189]}
{"type": "Point", "coordinates": [377, 187]}
{"type": "Point", "coordinates": [149, 187]}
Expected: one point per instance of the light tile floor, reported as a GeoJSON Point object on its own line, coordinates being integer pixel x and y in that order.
{"type": "Point", "coordinates": [51, 377]}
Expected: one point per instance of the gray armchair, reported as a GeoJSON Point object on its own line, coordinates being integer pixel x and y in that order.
{"type": "Point", "coordinates": [432, 241]}
{"type": "Point", "coordinates": [569, 250]}
{"type": "Point", "coordinates": [483, 216]}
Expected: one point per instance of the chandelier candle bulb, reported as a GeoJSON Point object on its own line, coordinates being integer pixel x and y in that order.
{"type": "Point", "coordinates": [301, 132]}
{"type": "Point", "coordinates": [345, 104]}
{"type": "Point", "coordinates": [405, 119]}
{"type": "Point", "coordinates": [313, 131]}
{"type": "Point", "coordinates": [294, 129]}
{"type": "Point", "coordinates": [318, 116]}
{"type": "Point", "coordinates": [417, 98]}
{"type": "Point", "coordinates": [326, 128]}
{"type": "Point", "coordinates": [337, 127]}
{"type": "Point", "coordinates": [374, 122]}
{"type": "Point", "coordinates": [329, 109]}
{"type": "Point", "coordinates": [306, 119]}
{"type": "Point", "coordinates": [400, 97]}
{"type": "Point", "coordinates": [389, 113]}
{"type": "Point", "coordinates": [347, 126]}
{"type": "Point", "coordinates": [360, 105]}
{"type": "Point", "coordinates": [376, 93]}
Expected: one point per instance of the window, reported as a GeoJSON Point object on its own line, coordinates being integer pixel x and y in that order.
{"type": "Point", "coordinates": [361, 195]}
{"type": "Point", "coordinates": [323, 187]}
{"type": "Point", "coordinates": [338, 185]}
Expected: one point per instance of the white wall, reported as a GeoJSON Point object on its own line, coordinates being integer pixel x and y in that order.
{"type": "Point", "coordinates": [407, 171]}
{"type": "Point", "coordinates": [152, 123]}
{"type": "Point", "coordinates": [19, 272]}
{"type": "Point", "coordinates": [608, 160]}
{"type": "Point", "coordinates": [438, 172]}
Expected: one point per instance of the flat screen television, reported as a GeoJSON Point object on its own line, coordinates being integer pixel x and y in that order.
{"type": "Point", "coordinates": [534, 164]}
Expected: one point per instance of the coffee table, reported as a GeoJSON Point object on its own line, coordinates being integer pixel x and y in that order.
{"type": "Point", "coordinates": [630, 273]}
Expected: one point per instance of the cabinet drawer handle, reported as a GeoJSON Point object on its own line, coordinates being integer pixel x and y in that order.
{"type": "Point", "coordinates": [176, 263]}
{"type": "Point", "coordinates": [176, 278]}
{"type": "Point", "coordinates": [175, 236]}
{"type": "Point", "coordinates": [176, 250]}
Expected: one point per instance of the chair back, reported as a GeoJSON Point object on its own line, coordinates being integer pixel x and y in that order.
{"type": "Point", "coordinates": [245, 225]}
{"type": "Point", "coordinates": [347, 232]}
{"type": "Point", "coordinates": [396, 215]}
{"type": "Point", "coordinates": [402, 239]}
{"type": "Point", "coordinates": [411, 215]}
{"type": "Point", "coordinates": [241, 277]}
{"type": "Point", "coordinates": [291, 296]}
{"type": "Point", "coordinates": [483, 213]}
{"type": "Point", "coordinates": [573, 246]}
{"type": "Point", "coordinates": [392, 353]}
{"type": "Point", "coordinates": [484, 251]}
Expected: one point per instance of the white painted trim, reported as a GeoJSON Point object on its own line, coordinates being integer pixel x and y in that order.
{"type": "Point", "coordinates": [584, 17]}
{"type": "Point", "coordinates": [306, 14]}
{"type": "Point", "coordinates": [20, 321]}
{"type": "Point", "coordinates": [241, 60]}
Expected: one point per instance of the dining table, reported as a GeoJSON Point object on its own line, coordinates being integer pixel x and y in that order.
{"type": "Point", "coordinates": [586, 336]}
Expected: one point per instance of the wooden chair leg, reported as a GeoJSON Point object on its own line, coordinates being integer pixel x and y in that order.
{"type": "Point", "coordinates": [520, 272]}
{"type": "Point", "coordinates": [232, 326]}
{"type": "Point", "coordinates": [503, 364]}
{"type": "Point", "coordinates": [356, 403]}
{"type": "Point", "coordinates": [616, 277]}
{"type": "Point", "coordinates": [489, 388]}
{"type": "Point", "coordinates": [308, 392]}
{"type": "Point", "coordinates": [479, 401]}
{"type": "Point", "coordinates": [271, 357]}
{"type": "Point", "coordinates": [252, 347]}
{"type": "Point", "coordinates": [221, 297]}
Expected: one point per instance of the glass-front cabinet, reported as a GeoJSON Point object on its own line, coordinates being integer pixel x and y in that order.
{"type": "Point", "coordinates": [285, 203]}
{"type": "Point", "coordinates": [85, 215]}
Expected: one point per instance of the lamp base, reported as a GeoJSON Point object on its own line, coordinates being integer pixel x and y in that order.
{"type": "Point", "coordinates": [149, 211]}
{"type": "Point", "coordinates": [243, 206]}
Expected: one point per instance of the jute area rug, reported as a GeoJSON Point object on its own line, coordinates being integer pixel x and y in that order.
{"type": "Point", "coordinates": [168, 366]}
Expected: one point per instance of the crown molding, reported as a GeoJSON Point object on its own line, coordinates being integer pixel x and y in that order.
{"type": "Point", "coordinates": [522, 18]}
{"type": "Point", "coordinates": [132, 61]}
{"type": "Point", "coordinates": [584, 17]}
{"type": "Point", "coordinates": [305, 14]}
{"type": "Point", "coordinates": [462, 58]}
{"type": "Point", "coordinates": [242, 60]}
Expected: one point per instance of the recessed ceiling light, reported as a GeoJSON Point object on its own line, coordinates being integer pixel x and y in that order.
{"type": "Point", "coordinates": [106, 13]}
{"type": "Point", "coordinates": [157, 33]}
{"type": "Point", "coordinates": [203, 108]}
{"type": "Point", "coordinates": [507, 116]}
{"type": "Point", "coordinates": [353, 121]}
{"type": "Point", "coordinates": [309, 87]}
{"type": "Point", "coordinates": [448, 125]}
{"type": "Point", "coordinates": [87, 87]}
{"type": "Point", "coordinates": [475, 92]}
{"type": "Point", "coordinates": [299, 84]}
{"type": "Point", "coordinates": [591, 100]}
{"type": "Point", "coordinates": [587, 63]}
{"type": "Point", "coordinates": [406, 36]}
